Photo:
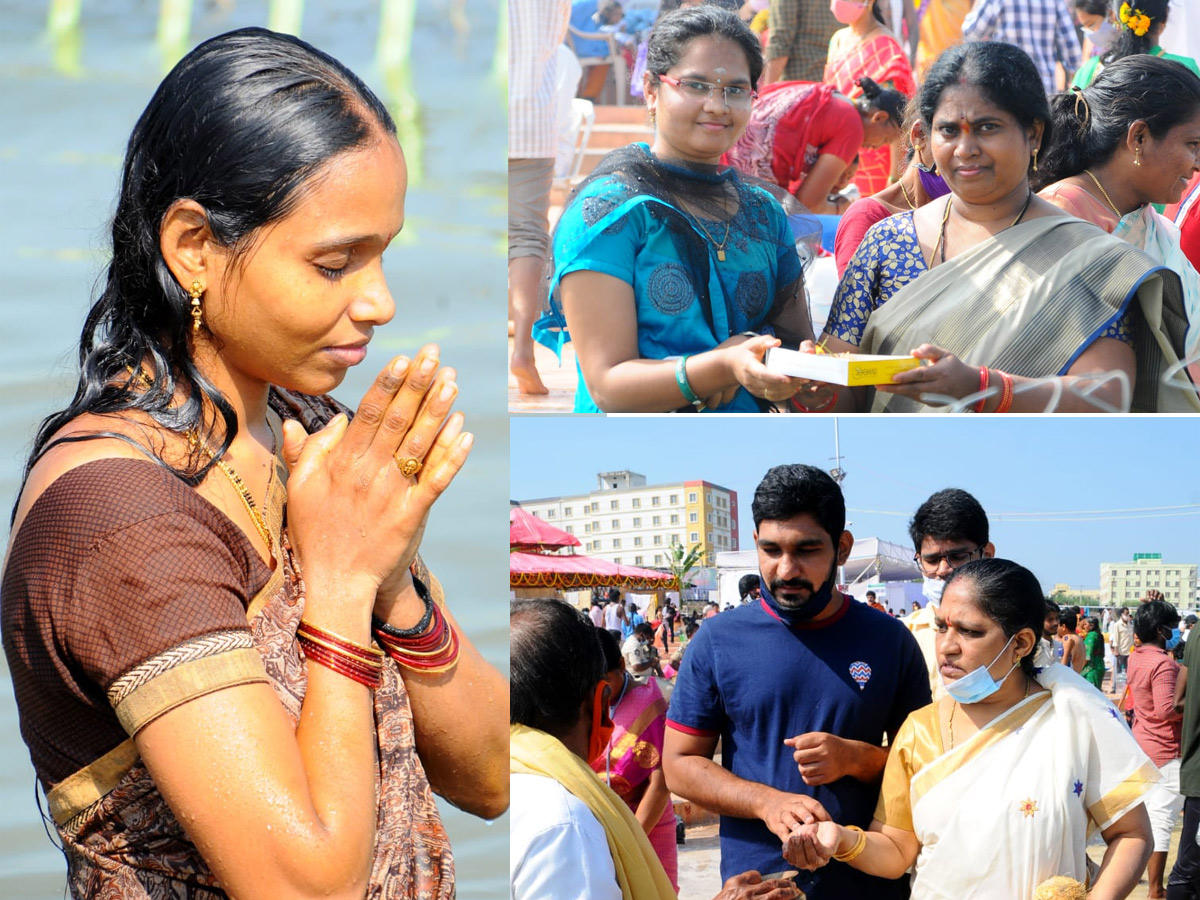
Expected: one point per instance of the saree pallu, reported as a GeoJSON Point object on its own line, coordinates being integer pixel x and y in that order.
{"type": "Point", "coordinates": [1016, 803]}
{"type": "Point", "coordinates": [939, 28]}
{"type": "Point", "coordinates": [1031, 300]}
{"type": "Point", "coordinates": [122, 841]}
{"type": "Point", "coordinates": [882, 60]}
{"type": "Point", "coordinates": [632, 755]}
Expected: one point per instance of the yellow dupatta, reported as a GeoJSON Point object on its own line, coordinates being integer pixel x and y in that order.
{"type": "Point", "coordinates": [639, 873]}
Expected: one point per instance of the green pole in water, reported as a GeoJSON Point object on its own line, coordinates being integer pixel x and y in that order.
{"type": "Point", "coordinates": [64, 16]}
{"type": "Point", "coordinates": [174, 24]}
{"type": "Point", "coordinates": [396, 25]}
{"type": "Point", "coordinates": [500, 60]}
{"type": "Point", "coordinates": [66, 35]}
{"type": "Point", "coordinates": [286, 16]}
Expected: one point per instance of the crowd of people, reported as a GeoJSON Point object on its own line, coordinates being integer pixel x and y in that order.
{"type": "Point", "coordinates": [966, 750]}
{"type": "Point", "coordinates": [676, 264]}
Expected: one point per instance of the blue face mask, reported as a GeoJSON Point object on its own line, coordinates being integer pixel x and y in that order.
{"type": "Point", "coordinates": [931, 590]}
{"type": "Point", "coordinates": [1174, 639]}
{"type": "Point", "coordinates": [977, 685]}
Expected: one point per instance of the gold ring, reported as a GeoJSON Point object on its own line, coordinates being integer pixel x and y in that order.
{"type": "Point", "coordinates": [408, 465]}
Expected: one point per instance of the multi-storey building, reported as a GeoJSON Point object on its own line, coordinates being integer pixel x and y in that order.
{"type": "Point", "coordinates": [1127, 582]}
{"type": "Point", "coordinates": [627, 521]}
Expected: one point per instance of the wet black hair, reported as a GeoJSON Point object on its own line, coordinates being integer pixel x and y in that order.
{"type": "Point", "coordinates": [1003, 73]}
{"type": "Point", "coordinates": [1127, 43]}
{"type": "Point", "coordinates": [948, 514]}
{"type": "Point", "coordinates": [792, 490]}
{"type": "Point", "coordinates": [1009, 595]}
{"type": "Point", "coordinates": [876, 97]}
{"type": "Point", "coordinates": [612, 649]}
{"type": "Point", "coordinates": [555, 661]}
{"type": "Point", "coordinates": [241, 125]}
{"type": "Point", "coordinates": [1092, 124]}
{"type": "Point", "coordinates": [671, 34]}
{"type": "Point", "coordinates": [1150, 617]}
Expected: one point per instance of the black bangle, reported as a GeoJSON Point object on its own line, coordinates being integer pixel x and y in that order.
{"type": "Point", "coordinates": [420, 627]}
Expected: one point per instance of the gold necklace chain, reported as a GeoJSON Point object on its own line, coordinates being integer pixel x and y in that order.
{"type": "Point", "coordinates": [195, 441]}
{"type": "Point", "coordinates": [904, 191]}
{"type": "Point", "coordinates": [260, 524]}
{"type": "Point", "coordinates": [725, 240]}
{"type": "Point", "coordinates": [946, 215]}
{"type": "Point", "coordinates": [1100, 187]}
{"type": "Point", "coordinates": [954, 706]}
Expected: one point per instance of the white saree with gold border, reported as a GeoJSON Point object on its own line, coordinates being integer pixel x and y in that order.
{"type": "Point", "coordinates": [1015, 803]}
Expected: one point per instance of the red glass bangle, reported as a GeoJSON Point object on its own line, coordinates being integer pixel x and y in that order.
{"type": "Point", "coordinates": [435, 651]}
{"type": "Point", "coordinates": [984, 381]}
{"type": "Point", "coordinates": [368, 673]}
{"type": "Point", "coordinates": [308, 630]}
{"type": "Point", "coordinates": [1006, 400]}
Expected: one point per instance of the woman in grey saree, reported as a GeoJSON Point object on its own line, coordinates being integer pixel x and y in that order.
{"type": "Point", "coordinates": [1011, 305]}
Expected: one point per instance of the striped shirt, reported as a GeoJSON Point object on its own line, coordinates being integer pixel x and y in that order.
{"type": "Point", "coordinates": [535, 29]}
{"type": "Point", "coordinates": [1042, 28]}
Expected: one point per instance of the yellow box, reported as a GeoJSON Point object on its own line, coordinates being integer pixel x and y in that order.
{"type": "Point", "coordinates": [850, 369]}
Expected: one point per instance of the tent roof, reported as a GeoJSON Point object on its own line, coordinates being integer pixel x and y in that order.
{"type": "Point", "coordinates": [573, 571]}
{"type": "Point", "coordinates": [527, 532]}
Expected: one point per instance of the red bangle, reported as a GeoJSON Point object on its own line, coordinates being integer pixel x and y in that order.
{"type": "Point", "coordinates": [436, 650]}
{"type": "Point", "coordinates": [365, 673]}
{"type": "Point", "coordinates": [1006, 399]}
{"type": "Point", "coordinates": [337, 644]}
{"type": "Point", "coordinates": [984, 381]}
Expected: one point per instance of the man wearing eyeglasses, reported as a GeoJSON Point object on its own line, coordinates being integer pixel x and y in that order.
{"type": "Point", "coordinates": [948, 530]}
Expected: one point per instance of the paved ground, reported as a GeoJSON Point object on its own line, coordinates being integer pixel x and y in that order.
{"type": "Point", "coordinates": [559, 379]}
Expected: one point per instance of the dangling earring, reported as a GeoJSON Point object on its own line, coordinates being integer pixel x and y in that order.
{"type": "Point", "coordinates": [1137, 156]}
{"type": "Point", "coordinates": [196, 292]}
{"type": "Point", "coordinates": [653, 114]}
{"type": "Point", "coordinates": [1035, 152]}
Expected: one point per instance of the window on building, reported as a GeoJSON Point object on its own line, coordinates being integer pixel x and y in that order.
{"type": "Point", "coordinates": [637, 542]}
{"type": "Point", "coordinates": [656, 520]}
{"type": "Point", "coordinates": [658, 540]}
{"type": "Point", "coordinates": [708, 498]}
{"type": "Point", "coordinates": [692, 497]}
{"type": "Point", "coordinates": [674, 499]}
{"type": "Point", "coordinates": [658, 559]}
{"type": "Point", "coordinates": [637, 560]}
{"type": "Point", "coordinates": [710, 540]}
{"type": "Point", "coordinates": [617, 560]}
{"type": "Point", "coordinates": [674, 519]}
{"type": "Point", "coordinates": [570, 529]}
{"type": "Point", "coordinates": [595, 507]}
{"type": "Point", "coordinates": [587, 528]}
{"type": "Point", "coordinates": [637, 502]}
{"type": "Point", "coordinates": [674, 539]}
{"type": "Point", "coordinates": [595, 526]}
{"type": "Point", "coordinates": [710, 518]}
{"type": "Point", "coordinates": [566, 510]}
{"type": "Point", "coordinates": [549, 514]}
{"type": "Point", "coordinates": [616, 524]}
{"type": "Point", "coordinates": [637, 521]}
{"type": "Point", "coordinates": [694, 537]}
{"type": "Point", "coordinates": [616, 543]}
{"type": "Point", "coordinates": [613, 504]}
{"type": "Point", "coordinates": [655, 500]}
{"type": "Point", "coordinates": [693, 517]}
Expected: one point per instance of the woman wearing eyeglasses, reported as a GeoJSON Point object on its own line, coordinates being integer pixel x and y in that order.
{"type": "Point", "coordinates": [664, 260]}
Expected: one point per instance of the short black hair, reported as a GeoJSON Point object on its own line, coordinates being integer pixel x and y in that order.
{"type": "Point", "coordinates": [950, 513]}
{"type": "Point", "coordinates": [644, 628]}
{"type": "Point", "coordinates": [1068, 617]}
{"type": "Point", "coordinates": [1052, 610]}
{"type": "Point", "coordinates": [1009, 595]}
{"type": "Point", "coordinates": [555, 661]}
{"type": "Point", "coordinates": [613, 595]}
{"type": "Point", "coordinates": [611, 647]}
{"type": "Point", "coordinates": [1151, 616]}
{"type": "Point", "coordinates": [871, 594]}
{"type": "Point", "coordinates": [792, 490]}
{"type": "Point", "coordinates": [747, 584]}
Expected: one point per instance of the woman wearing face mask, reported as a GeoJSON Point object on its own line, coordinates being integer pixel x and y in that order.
{"type": "Point", "coordinates": [1156, 725]}
{"type": "Point", "coordinates": [996, 788]}
{"type": "Point", "coordinates": [1095, 20]}
{"type": "Point", "coordinates": [866, 47]}
{"type": "Point", "coordinates": [803, 135]}
{"type": "Point", "coordinates": [1093, 651]}
{"type": "Point", "coordinates": [1134, 29]}
{"type": "Point", "coordinates": [919, 185]}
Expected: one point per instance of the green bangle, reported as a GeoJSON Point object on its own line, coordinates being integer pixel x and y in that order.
{"type": "Point", "coordinates": [685, 388]}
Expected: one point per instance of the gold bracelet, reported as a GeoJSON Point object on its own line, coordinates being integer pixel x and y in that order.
{"type": "Point", "coordinates": [858, 847]}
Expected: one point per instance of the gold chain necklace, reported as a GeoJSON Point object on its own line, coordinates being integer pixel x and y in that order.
{"type": "Point", "coordinates": [904, 191]}
{"type": "Point", "coordinates": [954, 706]}
{"type": "Point", "coordinates": [260, 524]}
{"type": "Point", "coordinates": [195, 441]}
{"type": "Point", "coordinates": [946, 215]}
{"type": "Point", "coordinates": [725, 240]}
{"type": "Point", "coordinates": [1100, 187]}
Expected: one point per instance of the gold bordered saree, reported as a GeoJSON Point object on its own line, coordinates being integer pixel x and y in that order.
{"type": "Point", "coordinates": [120, 838]}
{"type": "Point", "coordinates": [1015, 803]}
{"type": "Point", "coordinates": [1031, 300]}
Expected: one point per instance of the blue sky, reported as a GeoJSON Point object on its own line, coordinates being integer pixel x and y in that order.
{"type": "Point", "coordinates": [1053, 467]}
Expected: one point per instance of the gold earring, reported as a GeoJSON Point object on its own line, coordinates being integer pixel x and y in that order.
{"type": "Point", "coordinates": [196, 292]}
{"type": "Point", "coordinates": [653, 113]}
{"type": "Point", "coordinates": [1137, 156]}
{"type": "Point", "coordinates": [1035, 152]}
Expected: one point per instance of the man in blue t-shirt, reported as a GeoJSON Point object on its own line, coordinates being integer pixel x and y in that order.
{"type": "Point", "coordinates": [800, 687]}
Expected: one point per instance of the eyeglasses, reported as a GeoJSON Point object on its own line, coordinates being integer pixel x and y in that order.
{"type": "Point", "coordinates": [735, 97]}
{"type": "Point", "coordinates": [954, 558]}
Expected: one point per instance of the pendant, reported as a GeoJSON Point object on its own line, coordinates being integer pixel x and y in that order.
{"type": "Point", "coordinates": [720, 254]}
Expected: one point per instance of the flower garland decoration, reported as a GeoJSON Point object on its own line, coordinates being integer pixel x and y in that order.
{"type": "Point", "coordinates": [1134, 19]}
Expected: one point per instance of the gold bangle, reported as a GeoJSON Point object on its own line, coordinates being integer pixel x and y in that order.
{"type": "Point", "coordinates": [859, 846]}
